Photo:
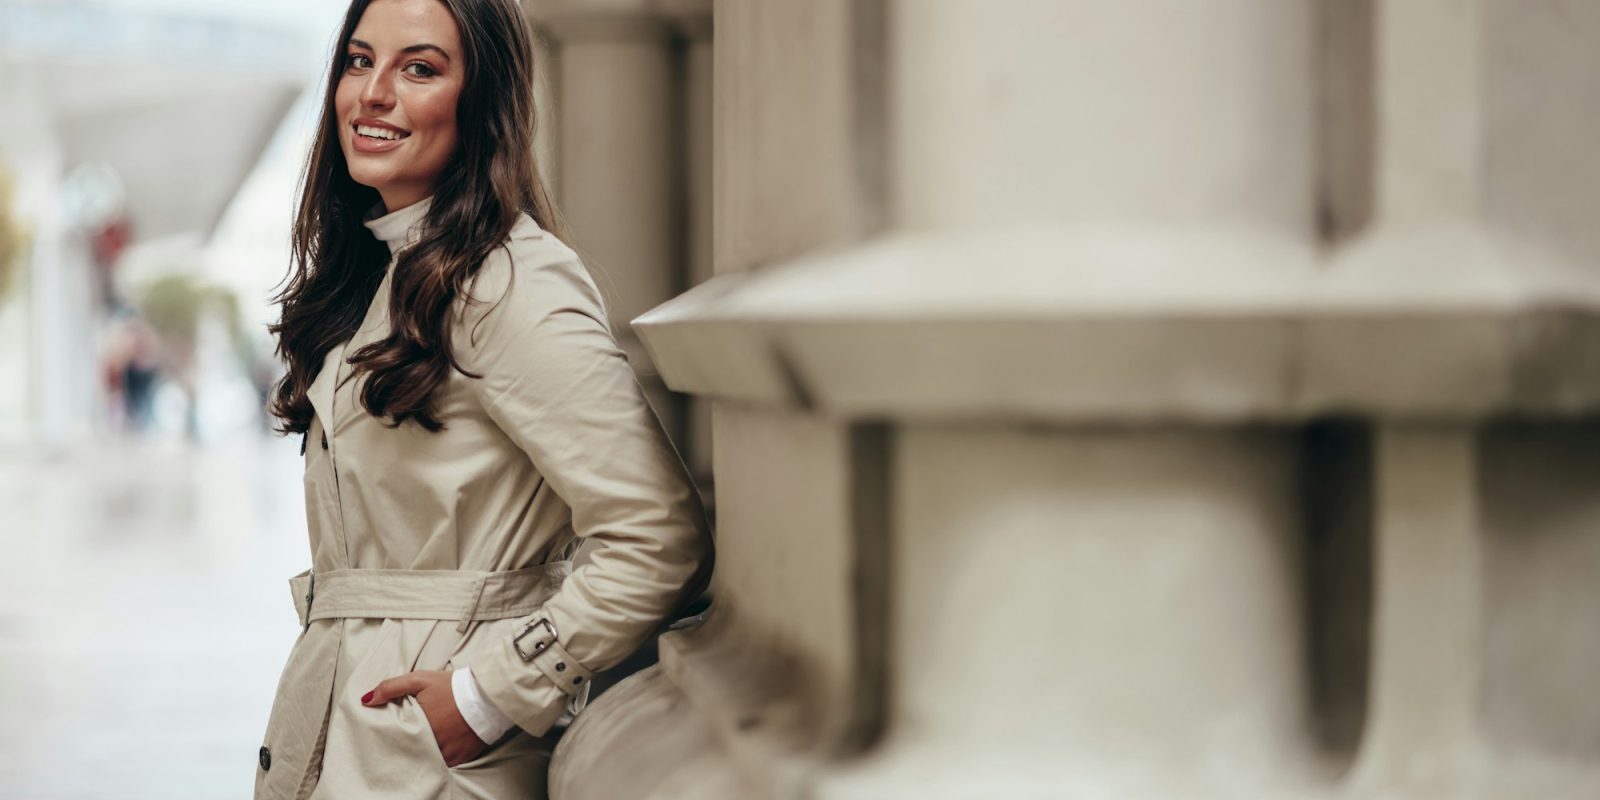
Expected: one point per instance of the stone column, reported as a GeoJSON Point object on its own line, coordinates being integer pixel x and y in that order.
{"type": "Point", "coordinates": [1465, 317]}
{"type": "Point", "coordinates": [695, 25]}
{"type": "Point", "coordinates": [894, 553]}
{"type": "Point", "coordinates": [546, 141]}
{"type": "Point", "coordinates": [36, 312]}
{"type": "Point", "coordinates": [1065, 449]}
{"type": "Point", "coordinates": [618, 141]}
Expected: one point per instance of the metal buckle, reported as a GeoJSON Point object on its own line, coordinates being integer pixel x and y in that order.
{"type": "Point", "coordinates": [539, 646]}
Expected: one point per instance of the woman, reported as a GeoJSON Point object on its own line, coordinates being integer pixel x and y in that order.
{"type": "Point", "coordinates": [467, 419]}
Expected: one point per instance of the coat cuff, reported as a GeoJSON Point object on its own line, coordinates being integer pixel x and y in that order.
{"type": "Point", "coordinates": [485, 719]}
{"type": "Point", "coordinates": [522, 689]}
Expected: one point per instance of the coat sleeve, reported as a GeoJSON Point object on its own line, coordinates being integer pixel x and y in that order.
{"type": "Point", "coordinates": [556, 382]}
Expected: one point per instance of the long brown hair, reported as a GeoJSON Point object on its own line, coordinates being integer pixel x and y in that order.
{"type": "Point", "coordinates": [337, 264]}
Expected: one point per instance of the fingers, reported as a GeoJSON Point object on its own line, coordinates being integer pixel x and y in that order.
{"type": "Point", "coordinates": [389, 689]}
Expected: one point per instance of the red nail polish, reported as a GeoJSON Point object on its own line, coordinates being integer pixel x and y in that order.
{"type": "Point", "coordinates": [366, 698]}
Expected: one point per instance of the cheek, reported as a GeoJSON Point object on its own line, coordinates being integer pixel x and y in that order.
{"type": "Point", "coordinates": [437, 113]}
{"type": "Point", "coordinates": [345, 95]}
{"type": "Point", "coordinates": [344, 101]}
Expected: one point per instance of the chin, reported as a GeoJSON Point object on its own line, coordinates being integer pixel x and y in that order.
{"type": "Point", "coordinates": [370, 178]}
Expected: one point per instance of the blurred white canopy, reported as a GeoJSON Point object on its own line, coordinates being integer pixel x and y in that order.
{"type": "Point", "coordinates": [178, 103]}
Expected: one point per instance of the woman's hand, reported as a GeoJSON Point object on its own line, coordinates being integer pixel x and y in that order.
{"type": "Point", "coordinates": [432, 689]}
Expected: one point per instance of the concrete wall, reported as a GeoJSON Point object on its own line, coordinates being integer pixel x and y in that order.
{"type": "Point", "coordinates": [1138, 400]}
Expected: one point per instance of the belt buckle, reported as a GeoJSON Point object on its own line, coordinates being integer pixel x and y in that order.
{"type": "Point", "coordinates": [539, 646]}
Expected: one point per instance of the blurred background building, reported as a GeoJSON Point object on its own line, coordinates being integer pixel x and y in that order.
{"type": "Point", "coordinates": [148, 154]}
{"type": "Point", "coordinates": [1099, 399]}
{"type": "Point", "coordinates": [129, 130]}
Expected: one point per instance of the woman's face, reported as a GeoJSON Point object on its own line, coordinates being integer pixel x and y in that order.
{"type": "Point", "coordinates": [396, 98]}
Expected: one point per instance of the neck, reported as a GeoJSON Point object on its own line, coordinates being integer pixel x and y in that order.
{"type": "Point", "coordinates": [397, 198]}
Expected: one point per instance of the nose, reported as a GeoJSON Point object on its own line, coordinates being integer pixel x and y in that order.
{"type": "Point", "coordinates": [378, 92]}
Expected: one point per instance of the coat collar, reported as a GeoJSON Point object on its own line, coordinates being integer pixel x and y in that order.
{"type": "Point", "coordinates": [399, 228]}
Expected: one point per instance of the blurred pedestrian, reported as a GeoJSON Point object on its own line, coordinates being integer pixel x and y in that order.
{"type": "Point", "coordinates": [131, 369]}
{"type": "Point", "coordinates": [141, 369]}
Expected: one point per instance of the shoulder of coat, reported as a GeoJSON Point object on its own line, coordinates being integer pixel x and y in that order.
{"type": "Point", "coordinates": [527, 243]}
{"type": "Point", "coordinates": [529, 256]}
{"type": "Point", "coordinates": [526, 227]}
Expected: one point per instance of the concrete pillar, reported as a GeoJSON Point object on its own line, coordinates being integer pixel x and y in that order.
{"type": "Point", "coordinates": [1053, 112]}
{"type": "Point", "coordinates": [1474, 293]}
{"type": "Point", "coordinates": [1028, 324]}
{"type": "Point", "coordinates": [30, 401]}
{"type": "Point", "coordinates": [697, 160]}
{"type": "Point", "coordinates": [546, 141]}
{"type": "Point", "coordinates": [1427, 630]}
{"type": "Point", "coordinates": [618, 140]}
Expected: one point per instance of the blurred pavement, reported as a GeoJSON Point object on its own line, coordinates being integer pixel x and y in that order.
{"type": "Point", "coordinates": [144, 616]}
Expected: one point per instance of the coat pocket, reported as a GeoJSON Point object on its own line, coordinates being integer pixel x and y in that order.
{"type": "Point", "coordinates": [516, 766]}
{"type": "Point", "coordinates": [415, 720]}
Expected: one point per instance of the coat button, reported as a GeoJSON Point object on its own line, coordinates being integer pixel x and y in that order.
{"type": "Point", "coordinates": [561, 666]}
{"type": "Point", "coordinates": [324, 440]}
{"type": "Point", "coordinates": [266, 758]}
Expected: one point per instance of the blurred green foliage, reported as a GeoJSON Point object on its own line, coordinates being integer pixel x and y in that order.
{"type": "Point", "coordinates": [13, 237]}
{"type": "Point", "coordinates": [173, 305]}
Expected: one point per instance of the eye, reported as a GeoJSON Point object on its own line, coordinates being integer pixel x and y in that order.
{"type": "Point", "coordinates": [357, 61]}
{"type": "Point", "coordinates": [421, 70]}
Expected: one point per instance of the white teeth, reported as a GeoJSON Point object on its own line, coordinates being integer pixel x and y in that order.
{"type": "Point", "coordinates": [379, 133]}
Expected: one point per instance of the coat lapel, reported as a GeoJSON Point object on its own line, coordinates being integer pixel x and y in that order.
{"type": "Point", "coordinates": [320, 393]}
{"type": "Point", "coordinates": [374, 325]}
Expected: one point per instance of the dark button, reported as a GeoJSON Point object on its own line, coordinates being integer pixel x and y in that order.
{"type": "Point", "coordinates": [324, 440]}
{"type": "Point", "coordinates": [266, 758]}
{"type": "Point", "coordinates": [561, 666]}
{"type": "Point", "coordinates": [578, 679]}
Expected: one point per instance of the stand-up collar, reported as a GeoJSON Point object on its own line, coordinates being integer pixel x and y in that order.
{"type": "Point", "coordinates": [398, 228]}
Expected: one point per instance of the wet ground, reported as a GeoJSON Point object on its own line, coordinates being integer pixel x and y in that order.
{"type": "Point", "coordinates": [144, 616]}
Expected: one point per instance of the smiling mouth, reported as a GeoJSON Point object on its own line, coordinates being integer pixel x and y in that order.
{"type": "Point", "coordinates": [384, 134]}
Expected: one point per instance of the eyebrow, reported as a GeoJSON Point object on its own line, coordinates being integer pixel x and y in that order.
{"type": "Point", "coordinates": [416, 48]}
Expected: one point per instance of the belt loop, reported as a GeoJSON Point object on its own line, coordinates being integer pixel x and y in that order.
{"type": "Point", "coordinates": [471, 608]}
{"type": "Point", "coordinates": [311, 591]}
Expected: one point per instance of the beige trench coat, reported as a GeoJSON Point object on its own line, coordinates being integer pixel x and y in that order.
{"type": "Point", "coordinates": [415, 537]}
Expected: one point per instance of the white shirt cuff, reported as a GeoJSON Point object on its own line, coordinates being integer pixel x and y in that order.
{"type": "Point", "coordinates": [485, 718]}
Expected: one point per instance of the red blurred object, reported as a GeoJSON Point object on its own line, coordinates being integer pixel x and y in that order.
{"type": "Point", "coordinates": [109, 242]}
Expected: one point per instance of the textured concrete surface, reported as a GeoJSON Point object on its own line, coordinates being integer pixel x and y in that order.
{"type": "Point", "coordinates": [1104, 275]}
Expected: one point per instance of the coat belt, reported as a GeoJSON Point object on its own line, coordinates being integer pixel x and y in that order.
{"type": "Point", "coordinates": [443, 594]}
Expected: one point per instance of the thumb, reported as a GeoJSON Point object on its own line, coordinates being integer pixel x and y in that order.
{"type": "Point", "coordinates": [391, 688]}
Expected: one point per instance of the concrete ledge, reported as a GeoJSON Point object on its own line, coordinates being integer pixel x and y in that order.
{"type": "Point", "coordinates": [1108, 324]}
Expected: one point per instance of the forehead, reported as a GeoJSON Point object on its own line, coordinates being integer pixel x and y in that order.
{"type": "Point", "coordinates": [395, 24]}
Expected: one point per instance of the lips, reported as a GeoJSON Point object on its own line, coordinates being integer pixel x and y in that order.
{"type": "Point", "coordinates": [379, 133]}
{"type": "Point", "coordinates": [376, 136]}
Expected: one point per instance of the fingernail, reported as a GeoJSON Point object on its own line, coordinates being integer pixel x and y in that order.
{"type": "Point", "coordinates": [366, 698]}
